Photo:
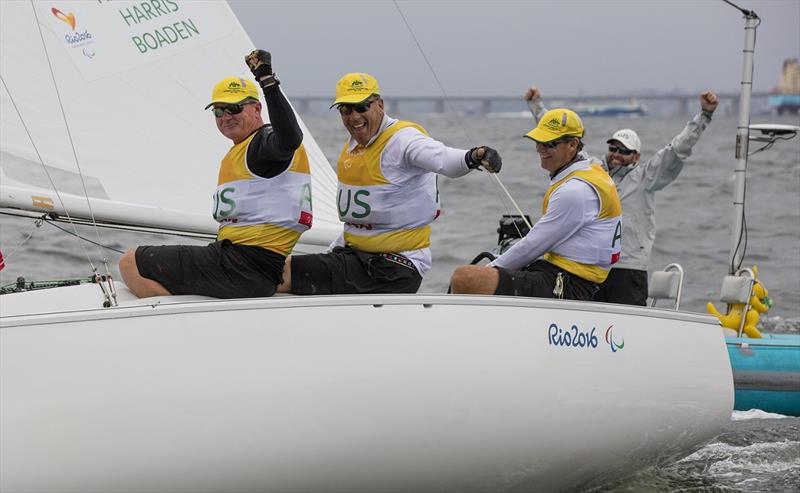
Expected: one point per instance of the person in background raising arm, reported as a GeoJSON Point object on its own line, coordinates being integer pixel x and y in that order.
{"type": "Point", "coordinates": [262, 202]}
{"type": "Point", "coordinates": [578, 235]}
{"type": "Point", "coordinates": [637, 183]}
{"type": "Point", "coordinates": [387, 198]}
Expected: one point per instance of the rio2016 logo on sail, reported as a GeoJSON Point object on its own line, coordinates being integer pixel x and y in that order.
{"type": "Point", "coordinates": [74, 38]}
{"type": "Point", "coordinates": [574, 337]}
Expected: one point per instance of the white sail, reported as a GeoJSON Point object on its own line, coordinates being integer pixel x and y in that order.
{"type": "Point", "coordinates": [132, 82]}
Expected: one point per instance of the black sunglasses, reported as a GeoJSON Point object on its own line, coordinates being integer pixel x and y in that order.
{"type": "Point", "coordinates": [553, 143]}
{"type": "Point", "coordinates": [362, 107]}
{"type": "Point", "coordinates": [620, 150]}
{"type": "Point", "coordinates": [231, 109]}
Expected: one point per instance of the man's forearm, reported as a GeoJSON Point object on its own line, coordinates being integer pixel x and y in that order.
{"type": "Point", "coordinates": [286, 131]}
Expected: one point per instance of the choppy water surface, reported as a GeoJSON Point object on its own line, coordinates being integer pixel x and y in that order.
{"type": "Point", "coordinates": [756, 452]}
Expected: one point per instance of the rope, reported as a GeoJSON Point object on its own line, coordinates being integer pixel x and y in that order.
{"type": "Point", "coordinates": [9, 253]}
{"type": "Point", "coordinates": [458, 118]}
{"type": "Point", "coordinates": [22, 285]}
{"type": "Point", "coordinates": [71, 140]}
{"type": "Point", "coordinates": [84, 238]}
{"type": "Point", "coordinates": [44, 167]}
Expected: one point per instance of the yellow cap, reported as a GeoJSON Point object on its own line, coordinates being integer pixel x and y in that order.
{"type": "Point", "coordinates": [355, 87]}
{"type": "Point", "coordinates": [233, 90]}
{"type": "Point", "coordinates": [555, 124]}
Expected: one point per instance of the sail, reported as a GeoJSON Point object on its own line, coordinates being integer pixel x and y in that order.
{"type": "Point", "coordinates": [133, 79]}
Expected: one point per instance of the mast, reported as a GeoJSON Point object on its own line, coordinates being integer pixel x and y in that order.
{"type": "Point", "coordinates": [738, 241]}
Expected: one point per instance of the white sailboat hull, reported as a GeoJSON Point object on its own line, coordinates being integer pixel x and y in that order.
{"type": "Point", "coordinates": [367, 393]}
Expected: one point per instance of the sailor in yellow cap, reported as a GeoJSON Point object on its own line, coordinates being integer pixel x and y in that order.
{"type": "Point", "coordinates": [637, 182]}
{"type": "Point", "coordinates": [262, 202]}
{"type": "Point", "coordinates": [387, 198]}
{"type": "Point", "coordinates": [570, 250]}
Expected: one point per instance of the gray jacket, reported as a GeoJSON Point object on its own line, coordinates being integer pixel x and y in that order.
{"type": "Point", "coordinates": [637, 186]}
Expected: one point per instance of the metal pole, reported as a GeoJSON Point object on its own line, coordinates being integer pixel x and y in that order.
{"type": "Point", "coordinates": [742, 141]}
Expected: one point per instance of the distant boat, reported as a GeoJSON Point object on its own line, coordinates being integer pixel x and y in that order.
{"type": "Point", "coordinates": [630, 109]}
{"type": "Point", "coordinates": [785, 103]}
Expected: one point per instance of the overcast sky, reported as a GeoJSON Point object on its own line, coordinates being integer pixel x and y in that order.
{"type": "Point", "coordinates": [500, 47]}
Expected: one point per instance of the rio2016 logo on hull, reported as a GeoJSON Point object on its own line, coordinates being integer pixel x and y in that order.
{"type": "Point", "coordinates": [576, 338]}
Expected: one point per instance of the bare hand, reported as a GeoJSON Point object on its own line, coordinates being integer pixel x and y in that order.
{"type": "Point", "coordinates": [709, 101]}
{"type": "Point", "coordinates": [532, 93]}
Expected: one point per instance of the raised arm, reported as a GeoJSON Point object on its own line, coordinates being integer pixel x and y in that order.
{"type": "Point", "coordinates": [534, 99]}
{"type": "Point", "coordinates": [663, 168]}
{"type": "Point", "coordinates": [271, 152]}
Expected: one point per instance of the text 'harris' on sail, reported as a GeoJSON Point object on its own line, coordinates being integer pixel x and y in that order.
{"type": "Point", "coordinates": [157, 36]}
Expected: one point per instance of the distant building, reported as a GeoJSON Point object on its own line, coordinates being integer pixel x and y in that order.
{"type": "Point", "coordinates": [786, 97]}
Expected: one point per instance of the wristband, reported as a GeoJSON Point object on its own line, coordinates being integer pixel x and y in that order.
{"type": "Point", "coordinates": [707, 113]}
{"type": "Point", "coordinates": [471, 163]}
{"type": "Point", "coordinates": [269, 81]}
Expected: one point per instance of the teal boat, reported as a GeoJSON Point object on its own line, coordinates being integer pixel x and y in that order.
{"type": "Point", "coordinates": [766, 373]}
{"type": "Point", "coordinates": [785, 103]}
{"type": "Point", "coordinates": [766, 369]}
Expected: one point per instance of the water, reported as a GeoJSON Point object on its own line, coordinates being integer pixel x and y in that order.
{"type": "Point", "coordinates": [756, 452]}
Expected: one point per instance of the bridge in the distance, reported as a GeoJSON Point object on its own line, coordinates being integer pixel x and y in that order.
{"type": "Point", "coordinates": [681, 104]}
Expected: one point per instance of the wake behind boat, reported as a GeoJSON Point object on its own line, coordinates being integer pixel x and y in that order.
{"type": "Point", "coordinates": [343, 393]}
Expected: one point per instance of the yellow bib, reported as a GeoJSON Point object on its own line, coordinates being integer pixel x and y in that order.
{"type": "Point", "coordinates": [381, 216]}
{"type": "Point", "coordinates": [270, 213]}
{"type": "Point", "coordinates": [608, 218]}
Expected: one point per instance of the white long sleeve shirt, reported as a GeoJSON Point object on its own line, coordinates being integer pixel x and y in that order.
{"type": "Point", "coordinates": [409, 153]}
{"type": "Point", "coordinates": [572, 206]}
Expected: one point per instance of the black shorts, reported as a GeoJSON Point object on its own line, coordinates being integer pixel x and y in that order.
{"type": "Point", "coordinates": [539, 279]}
{"type": "Point", "coordinates": [220, 269]}
{"type": "Point", "coordinates": [349, 271]}
{"type": "Point", "coordinates": [624, 286]}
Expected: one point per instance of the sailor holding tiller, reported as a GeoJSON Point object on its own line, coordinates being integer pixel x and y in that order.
{"type": "Point", "coordinates": [570, 249]}
{"type": "Point", "coordinates": [637, 183]}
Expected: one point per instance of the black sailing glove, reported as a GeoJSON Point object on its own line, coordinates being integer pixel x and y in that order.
{"type": "Point", "coordinates": [260, 63]}
{"type": "Point", "coordinates": [488, 158]}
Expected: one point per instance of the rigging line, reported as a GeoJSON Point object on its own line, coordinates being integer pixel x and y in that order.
{"type": "Point", "coordinates": [51, 223]}
{"type": "Point", "coordinates": [741, 242]}
{"type": "Point", "coordinates": [69, 132]}
{"type": "Point", "coordinates": [458, 118]}
{"type": "Point", "coordinates": [744, 11]}
{"type": "Point", "coordinates": [44, 167]}
{"type": "Point", "coordinates": [433, 72]}
{"type": "Point", "coordinates": [37, 223]}
{"type": "Point", "coordinates": [508, 194]}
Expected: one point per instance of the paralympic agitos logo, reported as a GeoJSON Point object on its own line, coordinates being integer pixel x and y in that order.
{"type": "Point", "coordinates": [615, 346]}
{"type": "Point", "coordinates": [574, 337]}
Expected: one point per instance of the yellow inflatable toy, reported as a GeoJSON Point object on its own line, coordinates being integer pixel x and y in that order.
{"type": "Point", "coordinates": [760, 303]}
